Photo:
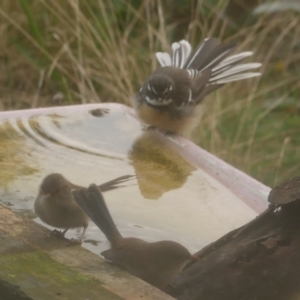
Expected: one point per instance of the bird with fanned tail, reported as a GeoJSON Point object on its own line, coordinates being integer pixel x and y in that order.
{"type": "Point", "coordinates": [171, 97]}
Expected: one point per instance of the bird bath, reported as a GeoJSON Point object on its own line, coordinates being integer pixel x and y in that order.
{"type": "Point", "coordinates": [181, 193]}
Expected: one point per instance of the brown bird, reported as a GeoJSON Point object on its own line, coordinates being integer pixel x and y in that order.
{"type": "Point", "coordinates": [55, 204]}
{"type": "Point", "coordinates": [170, 98]}
{"type": "Point", "coordinates": [156, 263]}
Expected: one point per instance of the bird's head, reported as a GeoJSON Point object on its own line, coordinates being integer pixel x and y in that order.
{"type": "Point", "coordinates": [52, 184]}
{"type": "Point", "coordinates": [158, 90]}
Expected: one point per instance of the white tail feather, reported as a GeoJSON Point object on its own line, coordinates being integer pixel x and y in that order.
{"type": "Point", "coordinates": [176, 55]}
{"type": "Point", "coordinates": [198, 51]}
{"type": "Point", "coordinates": [193, 73]}
{"type": "Point", "coordinates": [217, 58]}
{"type": "Point", "coordinates": [186, 49]}
{"type": "Point", "coordinates": [236, 69]}
{"type": "Point", "coordinates": [226, 71]}
{"type": "Point", "coordinates": [232, 59]}
{"type": "Point", "coordinates": [236, 77]}
{"type": "Point", "coordinates": [164, 59]}
{"type": "Point", "coordinates": [180, 53]}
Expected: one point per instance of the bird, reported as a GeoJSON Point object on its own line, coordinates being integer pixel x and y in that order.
{"type": "Point", "coordinates": [156, 263]}
{"type": "Point", "coordinates": [55, 204]}
{"type": "Point", "coordinates": [171, 96]}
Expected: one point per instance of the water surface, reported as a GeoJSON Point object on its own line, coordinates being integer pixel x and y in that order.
{"type": "Point", "coordinates": [170, 199]}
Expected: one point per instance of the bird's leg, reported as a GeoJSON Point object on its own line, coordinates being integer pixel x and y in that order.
{"type": "Point", "coordinates": [65, 231]}
{"type": "Point", "coordinates": [146, 127]}
{"type": "Point", "coordinates": [80, 240]}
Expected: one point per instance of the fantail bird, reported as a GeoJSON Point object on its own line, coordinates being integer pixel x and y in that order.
{"type": "Point", "coordinates": [170, 97]}
{"type": "Point", "coordinates": [156, 263]}
{"type": "Point", "coordinates": [55, 204]}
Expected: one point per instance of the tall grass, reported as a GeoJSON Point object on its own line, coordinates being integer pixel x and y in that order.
{"type": "Point", "coordinates": [101, 51]}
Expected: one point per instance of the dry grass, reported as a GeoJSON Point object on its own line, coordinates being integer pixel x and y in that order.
{"type": "Point", "coordinates": [101, 51]}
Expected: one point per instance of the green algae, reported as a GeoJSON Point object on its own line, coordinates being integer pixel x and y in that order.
{"type": "Point", "coordinates": [41, 277]}
{"type": "Point", "coordinates": [13, 160]}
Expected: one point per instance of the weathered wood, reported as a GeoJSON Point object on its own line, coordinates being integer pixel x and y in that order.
{"type": "Point", "coordinates": [45, 267]}
{"type": "Point", "coordinates": [261, 261]}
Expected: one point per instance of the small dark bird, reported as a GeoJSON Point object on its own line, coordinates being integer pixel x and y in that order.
{"type": "Point", "coordinates": [156, 263]}
{"type": "Point", "coordinates": [55, 204]}
{"type": "Point", "coordinates": [170, 97]}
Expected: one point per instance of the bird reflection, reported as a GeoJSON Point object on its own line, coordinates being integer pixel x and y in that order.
{"type": "Point", "coordinates": [158, 168]}
{"type": "Point", "coordinates": [156, 263]}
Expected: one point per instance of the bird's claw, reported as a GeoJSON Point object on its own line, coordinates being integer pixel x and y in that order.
{"type": "Point", "coordinates": [58, 233]}
{"type": "Point", "coordinates": [146, 127]}
{"type": "Point", "coordinates": [76, 241]}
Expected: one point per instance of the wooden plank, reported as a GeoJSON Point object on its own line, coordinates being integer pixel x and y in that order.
{"type": "Point", "coordinates": [46, 267]}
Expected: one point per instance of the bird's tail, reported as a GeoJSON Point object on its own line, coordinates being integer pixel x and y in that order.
{"type": "Point", "coordinates": [210, 54]}
{"type": "Point", "coordinates": [114, 184]}
{"type": "Point", "coordinates": [92, 202]}
{"type": "Point", "coordinates": [210, 57]}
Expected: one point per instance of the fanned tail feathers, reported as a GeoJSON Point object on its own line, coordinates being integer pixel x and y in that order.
{"type": "Point", "coordinates": [210, 54]}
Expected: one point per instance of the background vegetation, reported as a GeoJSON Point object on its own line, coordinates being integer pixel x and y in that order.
{"type": "Point", "coordinates": [79, 51]}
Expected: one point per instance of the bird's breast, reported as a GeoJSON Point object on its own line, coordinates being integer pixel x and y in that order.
{"type": "Point", "coordinates": [171, 119]}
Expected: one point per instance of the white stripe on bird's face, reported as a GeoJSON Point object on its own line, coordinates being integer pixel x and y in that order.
{"type": "Point", "coordinates": [151, 88]}
{"type": "Point", "coordinates": [158, 102]}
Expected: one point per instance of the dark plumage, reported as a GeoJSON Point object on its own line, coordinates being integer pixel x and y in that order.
{"type": "Point", "coordinates": [55, 204]}
{"type": "Point", "coordinates": [171, 95]}
{"type": "Point", "coordinates": [156, 263]}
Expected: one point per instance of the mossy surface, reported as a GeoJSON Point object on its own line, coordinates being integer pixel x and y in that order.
{"type": "Point", "coordinates": [13, 155]}
{"type": "Point", "coordinates": [40, 277]}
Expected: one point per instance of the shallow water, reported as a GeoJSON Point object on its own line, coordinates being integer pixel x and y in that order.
{"type": "Point", "coordinates": [170, 199]}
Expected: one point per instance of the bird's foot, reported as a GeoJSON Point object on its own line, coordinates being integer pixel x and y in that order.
{"type": "Point", "coordinates": [146, 127]}
{"type": "Point", "coordinates": [58, 233]}
{"type": "Point", "coordinates": [76, 241]}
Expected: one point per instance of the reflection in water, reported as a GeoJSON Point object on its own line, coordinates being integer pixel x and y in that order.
{"type": "Point", "coordinates": [193, 209]}
{"type": "Point", "coordinates": [44, 128]}
{"type": "Point", "coordinates": [158, 168]}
